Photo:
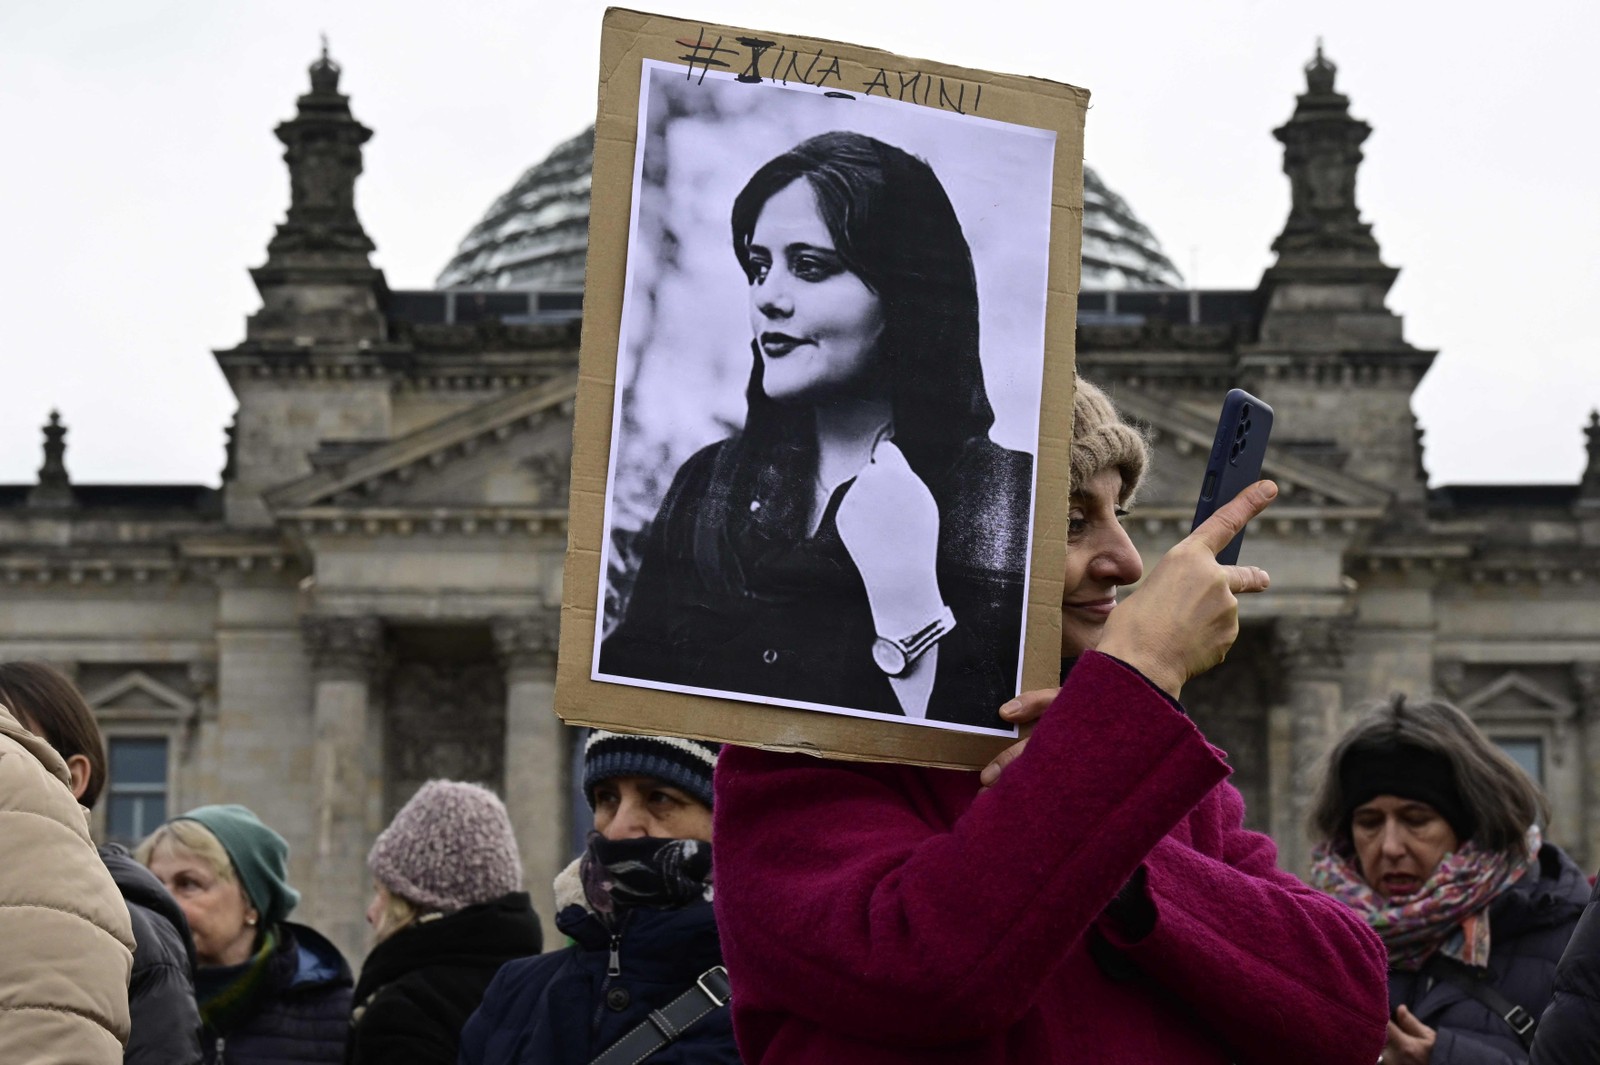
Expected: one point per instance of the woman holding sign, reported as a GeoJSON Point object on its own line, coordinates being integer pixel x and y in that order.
{"type": "Point", "coordinates": [860, 543]}
{"type": "Point", "coordinates": [1091, 896]}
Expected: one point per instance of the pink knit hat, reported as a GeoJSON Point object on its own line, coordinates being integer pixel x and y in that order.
{"type": "Point", "coordinates": [451, 846]}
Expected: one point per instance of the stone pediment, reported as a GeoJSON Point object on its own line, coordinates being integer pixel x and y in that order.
{"type": "Point", "coordinates": [1515, 696]}
{"type": "Point", "coordinates": [137, 697]}
{"type": "Point", "coordinates": [508, 455]}
{"type": "Point", "coordinates": [1181, 439]}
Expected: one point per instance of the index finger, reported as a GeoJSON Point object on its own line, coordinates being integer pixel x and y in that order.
{"type": "Point", "coordinates": [1217, 531]}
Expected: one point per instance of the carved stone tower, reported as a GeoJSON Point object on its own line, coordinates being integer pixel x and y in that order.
{"type": "Point", "coordinates": [1332, 354]}
{"type": "Point", "coordinates": [54, 489]}
{"type": "Point", "coordinates": [1322, 150]}
{"type": "Point", "coordinates": [309, 371]}
{"type": "Point", "coordinates": [317, 282]}
{"type": "Point", "coordinates": [1589, 486]}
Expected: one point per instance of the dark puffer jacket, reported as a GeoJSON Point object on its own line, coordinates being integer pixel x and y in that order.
{"type": "Point", "coordinates": [301, 1012]}
{"type": "Point", "coordinates": [166, 1022]}
{"type": "Point", "coordinates": [1528, 928]}
{"type": "Point", "coordinates": [563, 1009]}
{"type": "Point", "coordinates": [1569, 1031]}
{"type": "Point", "coordinates": [419, 986]}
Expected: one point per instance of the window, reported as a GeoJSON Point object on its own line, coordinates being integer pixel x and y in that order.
{"type": "Point", "coordinates": [1526, 751]}
{"type": "Point", "coordinates": [137, 789]}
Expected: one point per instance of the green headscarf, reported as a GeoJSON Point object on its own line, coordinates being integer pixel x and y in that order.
{"type": "Point", "coordinates": [259, 855]}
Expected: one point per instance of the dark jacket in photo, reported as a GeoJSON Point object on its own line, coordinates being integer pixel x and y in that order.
{"type": "Point", "coordinates": [797, 624]}
{"type": "Point", "coordinates": [166, 1021]}
{"type": "Point", "coordinates": [419, 986]}
{"type": "Point", "coordinates": [299, 1012]}
{"type": "Point", "coordinates": [1529, 926]}
{"type": "Point", "coordinates": [563, 1008]}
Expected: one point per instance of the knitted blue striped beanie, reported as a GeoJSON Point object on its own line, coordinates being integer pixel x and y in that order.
{"type": "Point", "coordinates": [685, 764]}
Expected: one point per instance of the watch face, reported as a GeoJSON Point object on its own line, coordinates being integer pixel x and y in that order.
{"type": "Point", "coordinates": [889, 657]}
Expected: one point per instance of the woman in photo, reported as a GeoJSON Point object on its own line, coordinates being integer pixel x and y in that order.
{"type": "Point", "coordinates": [1093, 897]}
{"type": "Point", "coordinates": [861, 542]}
{"type": "Point", "coordinates": [1430, 832]}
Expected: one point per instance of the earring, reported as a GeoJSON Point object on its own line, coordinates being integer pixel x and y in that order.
{"type": "Point", "coordinates": [251, 920]}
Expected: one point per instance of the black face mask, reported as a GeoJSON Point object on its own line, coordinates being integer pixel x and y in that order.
{"type": "Point", "coordinates": [661, 874]}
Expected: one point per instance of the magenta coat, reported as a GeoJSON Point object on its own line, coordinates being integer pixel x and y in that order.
{"type": "Point", "coordinates": [883, 913]}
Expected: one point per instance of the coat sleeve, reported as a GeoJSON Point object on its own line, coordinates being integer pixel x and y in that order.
{"type": "Point", "coordinates": [67, 943]}
{"type": "Point", "coordinates": [842, 903]}
{"type": "Point", "coordinates": [1569, 1031]}
{"type": "Point", "coordinates": [1278, 970]}
{"type": "Point", "coordinates": [166, 1021]}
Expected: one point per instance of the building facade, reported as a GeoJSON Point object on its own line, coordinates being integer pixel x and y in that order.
{"type": "Point", "coordinates": [371, 596]}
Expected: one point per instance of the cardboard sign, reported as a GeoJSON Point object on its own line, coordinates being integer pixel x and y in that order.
{"type": "Point", "coordinates": [820, 463]}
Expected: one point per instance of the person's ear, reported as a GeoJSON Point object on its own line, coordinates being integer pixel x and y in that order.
{"type": "Point", "coordinates": [78, 768]}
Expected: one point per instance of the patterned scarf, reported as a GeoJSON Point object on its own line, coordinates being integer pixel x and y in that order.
{"type": "Point", "coordinates": [662, 874]}
{"type": "Point", "coordinates": [1448, 914]}
{"type": "Point", "coordinates": [226, 993]}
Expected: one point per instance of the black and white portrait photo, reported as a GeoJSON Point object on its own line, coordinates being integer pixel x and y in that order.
{"type": "Point", "coordinates": [821, 479]}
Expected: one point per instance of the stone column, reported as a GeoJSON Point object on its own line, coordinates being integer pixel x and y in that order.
{"type": "Point", "coordinates": [537, 782]}
{"type": "Point", "coordinates": [203, 679]}
{"type": "Point", "coordinates": [347, 775]}
{"type": "Point", "coordinates": [1586, 679]}
{"type": "Point", "coordinates": [1312, 652]}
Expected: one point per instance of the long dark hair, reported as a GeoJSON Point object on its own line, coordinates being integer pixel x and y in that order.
{"type": "Point", "coordinates": [893, 227]}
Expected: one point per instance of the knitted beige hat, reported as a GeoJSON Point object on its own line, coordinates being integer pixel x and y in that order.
{"type": "Point", "coordinates": [1100, 438]}
{"type": "Point", "coordinates": [451, 846]}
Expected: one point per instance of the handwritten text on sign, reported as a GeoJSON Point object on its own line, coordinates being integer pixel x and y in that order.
{"type": "Point", "coordinates": [758, 60]}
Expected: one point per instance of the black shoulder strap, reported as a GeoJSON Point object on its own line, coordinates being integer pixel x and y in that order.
{"type": "Point", "coordinates": [709, 992]}
{"type": "Point", "coordinates": [1459, 974]}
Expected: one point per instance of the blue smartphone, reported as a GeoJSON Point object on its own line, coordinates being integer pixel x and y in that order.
{"type": "Point", "coordinates": [1235, 462]}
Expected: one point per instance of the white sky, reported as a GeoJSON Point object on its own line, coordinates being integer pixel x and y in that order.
{"type": "Point", "coordinates": [142, 178]}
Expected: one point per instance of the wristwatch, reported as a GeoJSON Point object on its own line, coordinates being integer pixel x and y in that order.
{"type": "Point", "coordinates": [895, 655]}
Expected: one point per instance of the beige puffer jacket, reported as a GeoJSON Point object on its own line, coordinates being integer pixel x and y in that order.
{"type": "Point", "coordinates": [66, 946]}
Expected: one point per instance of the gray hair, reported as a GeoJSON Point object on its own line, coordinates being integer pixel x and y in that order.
{"type": "Point", "coordinates": [1504, 801]}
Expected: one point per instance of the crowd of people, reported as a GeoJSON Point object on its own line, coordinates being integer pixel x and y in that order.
{"type": "Point", "coordinates": [1092, 895]}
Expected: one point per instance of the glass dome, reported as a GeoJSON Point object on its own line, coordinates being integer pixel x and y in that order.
{"type": "Point", "coordinates": [535, 235]}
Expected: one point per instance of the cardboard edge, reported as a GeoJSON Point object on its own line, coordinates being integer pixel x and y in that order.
{"type": "Point", "coordinates": [624, 39]}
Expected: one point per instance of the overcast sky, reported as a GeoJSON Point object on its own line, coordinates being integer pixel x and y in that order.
{"type": "Point", "coordinates": [142, 178]}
